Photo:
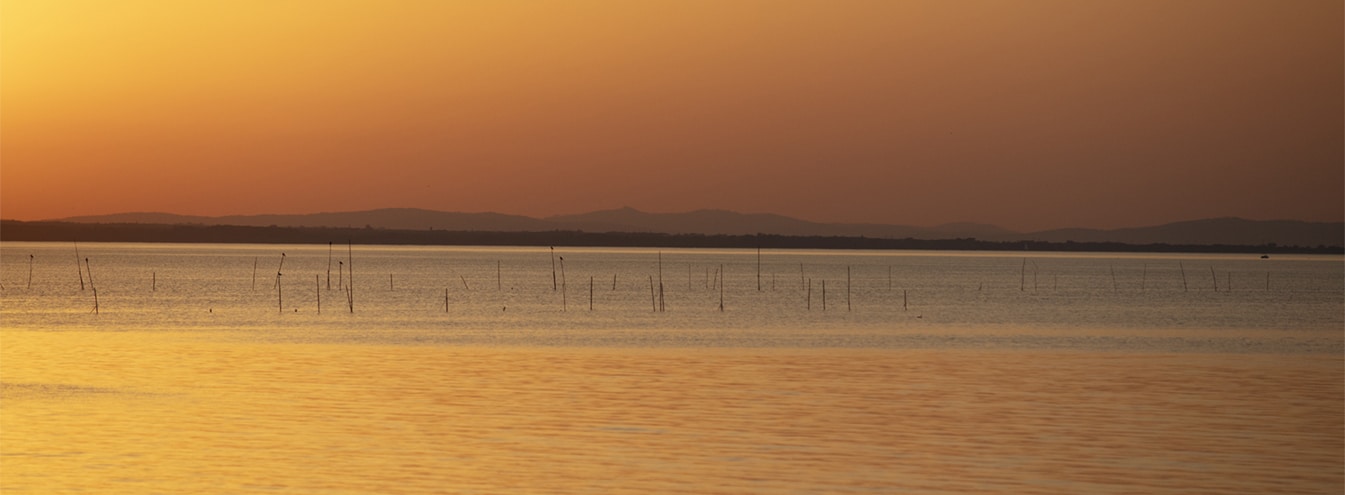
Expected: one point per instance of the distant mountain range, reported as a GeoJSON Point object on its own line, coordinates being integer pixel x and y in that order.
{"type": "Point", "coordinates": [1218, 231]}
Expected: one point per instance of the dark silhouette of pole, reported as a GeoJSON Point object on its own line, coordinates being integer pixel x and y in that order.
{"type": "Point", "coordinates": [89, 268]}
{"type": "Point", "coordinates": [77, 268]}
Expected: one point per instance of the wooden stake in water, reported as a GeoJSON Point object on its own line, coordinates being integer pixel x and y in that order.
{"type": "Point", "coordinates": [281, 268]}
{"type": "Point", "coordinates": [721, 288]}
{"type": "Point", "coordinates": [30, 271]}
{"type": "Point", "coordinates": [254, 273]}
{"type": "Point", "coordinates": [590, 293]}
{"type": "Point", "coordinates": [89, 269]}
{"type": "Point", "coordinates": [341, 275]}
{"type": "Point", "coordinates": [847, 288]}
{"type": "Point", "coordinates": [1183, 269]}
{"type": "Point", "coordinates": [445, 299]}
{"type": "Point", "coordinates": [653, 302]}
{"type": "Point", "coordinates": [553, 268]}
{"type": "Point", "coordinates": [317, 289]}
{"type": "Point", "coordinates": [613, 281]}
{"type": "Point", "coordinates": [1267, 280]}
{"type": "Point", "coordinates": [464, 282]}
{"type": "Point", "coordinates": [810, 294]}
{"type": "Point", "coordinates": [153, 281]}
{"type": "Point", "coordinates": [95, 295]}
{"type": "Point", "coordinates": [1022, 276]}
{"type": "Point", "coordinates": [758, 268]}
{"type": "Point", "coordinates": [329, 265]}
{"type": "Point", "coordinates": [499, 285]}
{"type": "Point", "coordinates": [280, 300]}
{"type": "Point", "coordinates": [1214, 278]}
{"type": "Point", "coordinates": [824, 295]}
{"type": "Point", "coordinates": [904, 306]}
{"type": "Point", "coordinates": [563, 302]}
{"type": "Point", "coordinates": [77, 267]}
{"type": "Point", "coordinates": [350, 265]}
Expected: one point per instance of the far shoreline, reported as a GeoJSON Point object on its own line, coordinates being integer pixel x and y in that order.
{"type": "Point", "coordinates": [55, 231]}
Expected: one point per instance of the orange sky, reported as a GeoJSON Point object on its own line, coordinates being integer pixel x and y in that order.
{"type": "Point", "coordinates": [1030, 115]}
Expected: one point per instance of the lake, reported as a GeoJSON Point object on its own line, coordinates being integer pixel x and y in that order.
{"type": "Point", "coordinates": [588, 370]}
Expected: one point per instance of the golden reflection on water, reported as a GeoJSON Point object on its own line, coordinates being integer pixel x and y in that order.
{"type": "Point", "coordinates": [144, 412]}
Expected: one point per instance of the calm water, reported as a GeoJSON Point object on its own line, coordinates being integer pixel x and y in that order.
{"type": "Point", "coordinates": [462, 370]}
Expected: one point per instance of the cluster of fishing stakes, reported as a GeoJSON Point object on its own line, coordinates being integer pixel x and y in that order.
{"type": "Point", "coordinates": [348, 288]}
{"type": "Point", "coordinates": [346, 281]}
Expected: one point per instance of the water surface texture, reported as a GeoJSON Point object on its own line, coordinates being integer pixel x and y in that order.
{"type": "Point", "coordinates": [465, 370]}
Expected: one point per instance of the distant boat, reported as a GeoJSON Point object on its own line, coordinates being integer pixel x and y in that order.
{"type": "Point", "coordinates": [1265, 256]}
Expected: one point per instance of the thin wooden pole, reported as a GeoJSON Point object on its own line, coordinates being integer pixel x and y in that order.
{"type": "Point", "coordinates": [30, 271]}
{"type": "Point", "coordinates": [280, 299]}
{"type": "Point", "coordinates": [824, 294]}
{"type": "Point", "coordinates": [721, 288]}
{"type": "Point", "coordinates": [1144, 277]}
{"type": "Point", "coordinates": [563, 296]}
{"type": "Point", "coordinates": [95, 296]}
{"type": "Point", "coordinates": [389, 281]}
{"type": "Point", "coordinates": [329, 265]}
{"type": "Point", "coordinates": [317, 289]}
{"type": "Point", "coordinates": [341, 275]}
{"type": "Point", "coordinates": [89, 269]}
{"type": "Point", "coordinates": [847, 288]}
{"type": "Point", "coordinates": [590, 293]}
{"type": "Point", "coordinates": [445, 299]}
{"type": "Point", "coordinates": [153, 281]}
{"type": "Point", "coordinates": [613, 281]}
{"type": "Point", "coordinates": [758, 268]}
{"type": "Point", "coordinates": [1183, 269]}
{"type": "Point", "coordinates": [1022, 276]}
{"type": "Point", "coordinates": [254, 273]}
{"type": "Point", "coordinates": [77, 267]}
{"type": "Point", "coordinates": [904, 301]}
{"type": "Point", "coordinates": [1214, 278]}
{"type": "Point", "coordinates": [499, 284]}
{"type": "Point", "coordinates": [350, 265]}
{"type": "Point", "coordinates": [810, 294]}
{"type": "Point", "coordinates": [653, 302]}
{"type": "Point", "coordinates": [464, 282]}
{"type": "Point", "coordinates": [1267, 280]}
{"type": "Point", "coordinates": [553, 268]}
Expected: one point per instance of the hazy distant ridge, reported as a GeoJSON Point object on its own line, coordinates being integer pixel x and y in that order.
{"type": "Point", "coordinates": [1228, 231]}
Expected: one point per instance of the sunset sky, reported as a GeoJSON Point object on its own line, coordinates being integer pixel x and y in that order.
{"type": "Point", "coordinates": [1027, 114]}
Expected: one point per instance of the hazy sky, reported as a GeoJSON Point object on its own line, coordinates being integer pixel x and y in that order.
{"type": "Point", "coordinates": [1028, 114]}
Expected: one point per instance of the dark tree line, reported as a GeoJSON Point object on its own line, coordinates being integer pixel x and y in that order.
{"type": "Point", "coordinates": [13, 230]}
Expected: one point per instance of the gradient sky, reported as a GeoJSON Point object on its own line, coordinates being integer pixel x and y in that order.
{"type": "Point", "coordinates": [1028, 114]}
